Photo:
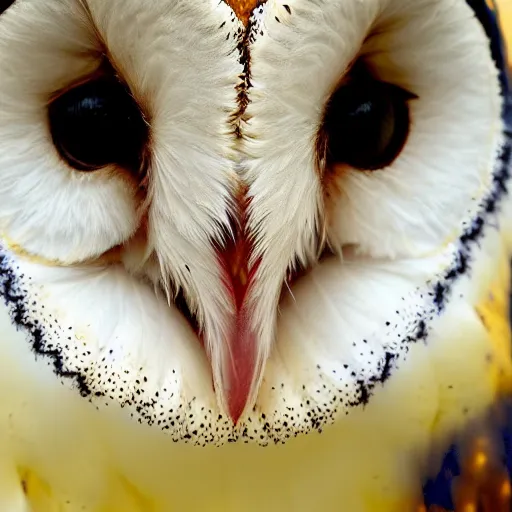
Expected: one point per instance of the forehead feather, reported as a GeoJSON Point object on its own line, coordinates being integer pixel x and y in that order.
{"type": "Point", "coordinates": [244, 8]}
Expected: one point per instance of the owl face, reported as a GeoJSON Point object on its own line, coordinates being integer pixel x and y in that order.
{"type": "Point", "coordinates": [234, 221]}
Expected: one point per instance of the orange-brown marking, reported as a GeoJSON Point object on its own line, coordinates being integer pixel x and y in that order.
{"type": "Point", "coordinates": [244, 8]}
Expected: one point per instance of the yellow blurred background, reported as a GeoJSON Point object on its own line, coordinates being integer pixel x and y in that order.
{"type": "Point", "coordinates": [505, 7]}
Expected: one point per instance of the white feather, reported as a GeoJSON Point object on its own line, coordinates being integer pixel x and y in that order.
{"type": "Point", "coordinates": [360, 330]}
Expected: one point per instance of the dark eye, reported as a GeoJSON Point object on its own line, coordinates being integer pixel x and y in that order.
{"type": "Point", "coordinates": [366, 123]}
{"type": "Point", "coordinates": [5, 4]}
{"type": "Point", "coordinates": [98, 123]}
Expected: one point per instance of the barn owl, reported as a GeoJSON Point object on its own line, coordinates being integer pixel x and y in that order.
{"type": "Point", "coordinates": [253, 255]}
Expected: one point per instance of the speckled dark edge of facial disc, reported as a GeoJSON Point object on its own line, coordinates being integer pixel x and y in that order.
{"type": "Point", "coordinates": [15, 295]}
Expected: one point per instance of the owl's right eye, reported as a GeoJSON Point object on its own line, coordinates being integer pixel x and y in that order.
{"type": "Point", "coordinates": [96, 124]}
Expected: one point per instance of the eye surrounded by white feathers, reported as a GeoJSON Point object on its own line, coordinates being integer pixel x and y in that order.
{"type": "Point", "coordinates": [96, 124]}
{"type": "Point", "coordinates": [366, 123]}
{"type": "Point", "coordinates": [173, 231]}
{"type": "Point", "coordinates": [276, 216]}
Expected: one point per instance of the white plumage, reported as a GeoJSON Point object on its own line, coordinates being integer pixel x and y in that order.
{"type": "Point", "coordinates": [378, 344]}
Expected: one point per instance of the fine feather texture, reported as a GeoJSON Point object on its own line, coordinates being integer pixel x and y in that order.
{"type": "Point", "coordinates": [110, 462]}
{"type": "Point", "coordinates": [418, 204]}
{"type": "Point", "coordinates": [184, 81]}
{"type": "Point", "coordinates": [193, 180]}
{"type": "Point", "coordinates": [46, 208]}
{"type": "Point", "coordinates": [371, 336]}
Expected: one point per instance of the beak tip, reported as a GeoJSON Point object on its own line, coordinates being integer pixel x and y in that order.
{"type": "Point", "coordinates": [237, 401]}
{"type": "Point", "coordinates": [235, 416]}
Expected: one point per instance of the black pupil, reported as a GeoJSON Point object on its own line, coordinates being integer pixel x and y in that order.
{"type": "Point", "coordinates": [98, 123]}
{"type": "Point", "coordinates": [5, 4]}
{"type": "Point", "coordinates": [366, 123]}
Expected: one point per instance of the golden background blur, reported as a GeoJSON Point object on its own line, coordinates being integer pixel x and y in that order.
{"type": "Point", "coordinates": [505, 7]}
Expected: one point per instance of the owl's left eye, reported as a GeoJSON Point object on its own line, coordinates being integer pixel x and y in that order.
{"type": "Point", "coordinates": [366, 123]}
{"type": "Point", "coordinates": [96, 124]}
